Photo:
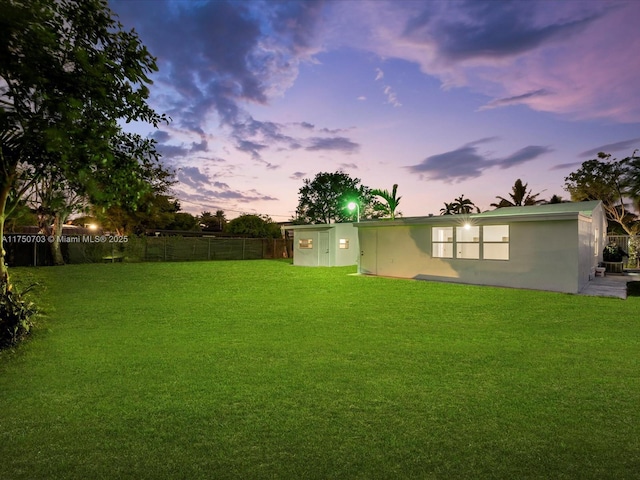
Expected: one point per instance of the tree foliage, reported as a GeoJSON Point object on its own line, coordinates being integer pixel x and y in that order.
{"type": "Point", "coordinates": [610, 181]}
{"type": "Point", "coordinates": [254, 226]}
{"type": "Point", "coordinates": [518, 197]}
{"type": "Point", "coordinates": [69, 73]}
{"type": "Point", "coordinates": [459, 205]}
{"type": "Point", "coordinates": [325, 198]}
{"type": "Point", "coordinates": [155, 211]}
{"type": "Point", "coordinates": [213, 223]}
{"type": "Point", "coordinates": [392, 200]}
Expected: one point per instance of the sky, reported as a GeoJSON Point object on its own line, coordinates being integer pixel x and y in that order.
{"type": "Point", "coordinates": [444, 98]}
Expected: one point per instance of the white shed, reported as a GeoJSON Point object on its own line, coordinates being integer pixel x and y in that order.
{"type": "Point", "coordinates": [552, 247]}
{"type": "Point", "coordinates": [324, 245]}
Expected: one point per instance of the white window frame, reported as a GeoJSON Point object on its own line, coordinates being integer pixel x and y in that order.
{"type": "Point", "coordinates": [442, 242]}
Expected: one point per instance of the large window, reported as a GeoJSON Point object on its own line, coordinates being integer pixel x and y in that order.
{"type": "Point", "coordinates": [495, 242]}
{"type": "Point", "coordinates": [468, 242]}
{"type": "Point", "coordinates": [489, 242]}
{"type": "Point", "coordinates": [442, 242]}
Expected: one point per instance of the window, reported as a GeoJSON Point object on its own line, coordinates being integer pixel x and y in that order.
{"type": "Point", "coordinates": [343, 243]}
{"type": "Point", "coordinates": [596, 243]}
{"type": "Point", "coordinates": [305, 243]}
{"type": "Point", "coordinates": [468, 242]}
{"type": "Point", "coordinates": [490, 242]}
{"type": "Point", "coordinates": [442, 242]}
{"type": "Point", "coordinates": [495, 242]}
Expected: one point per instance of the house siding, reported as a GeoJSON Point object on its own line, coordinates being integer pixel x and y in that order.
{"type": "Point", "coordinates": [555, 252]}
{"type": "Point", "coordinates": [326, 251]}
{"type": "Point", "coordinates": [535, 250]}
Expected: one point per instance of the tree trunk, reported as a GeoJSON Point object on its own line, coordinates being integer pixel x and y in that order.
{"type": "Point", "coordinates": [4, 271]}
{"type": "Point", "coordinates": [56, 250]}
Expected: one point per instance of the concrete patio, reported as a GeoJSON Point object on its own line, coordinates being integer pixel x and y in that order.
{"type": "Point", "coordinates": [611, 285]}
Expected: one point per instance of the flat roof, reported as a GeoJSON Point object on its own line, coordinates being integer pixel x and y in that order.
{"type": "Point", "coordinates": [554, 211]}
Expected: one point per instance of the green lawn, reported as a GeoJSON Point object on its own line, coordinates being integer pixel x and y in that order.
{"type": "Point", "coordinates": [258, 369]}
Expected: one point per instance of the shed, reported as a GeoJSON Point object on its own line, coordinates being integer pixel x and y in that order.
{"type": "Point", "coordinates": [553, 247]}
{"type": "Point", "coordinates": [324, 245]}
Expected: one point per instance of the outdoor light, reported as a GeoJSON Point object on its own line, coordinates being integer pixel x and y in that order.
{"type": "Point", "coordinates": [353, 205]}
{"type": "Point", "coordinates": [467, 226]}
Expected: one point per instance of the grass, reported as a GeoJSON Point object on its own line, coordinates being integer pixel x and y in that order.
{"type": "Point", "coordinates": [258, 369]}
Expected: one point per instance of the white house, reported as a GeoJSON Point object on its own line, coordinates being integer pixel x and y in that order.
{"type": "Point", "coordinates": [552, 247]}
{"type": "Point", "coordinates": [324, 245]}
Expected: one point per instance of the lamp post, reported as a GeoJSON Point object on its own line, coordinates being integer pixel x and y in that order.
{"type": "Point", "coordinates": [353, 205]}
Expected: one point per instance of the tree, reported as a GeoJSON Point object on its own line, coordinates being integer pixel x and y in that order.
{"type": "Point", "coordinates": [519, 197]}
{"type": "Point", "coordinates": [631, 178]}
{"type": "Point", "coordinates": [69, 75]}
{"type": "Point", "coordinates": [207, 221]}
{"type": "Point", "coordinates": [391, 200]}
{"type": "Point", "coordinates": [222, 220]}
{"type": "Point", "coordinates": [254, 226]}
{"type": "Point", "coordinates": [448, 209]}
{"type": "Point", "coordinates": [53, 201]}
{"type": "Point", "coordinates": [324, 199]}
{"type": "Point", "coordinates": [607, 180]}
{"type": "Point", "coordinates": [155, 211]}
{"type": "Point", "coordinates": [463, 205]}
{"type": "Point", "coordinates": [556, 199]}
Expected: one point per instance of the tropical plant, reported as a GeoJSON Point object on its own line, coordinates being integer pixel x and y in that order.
{"type": "Point", "coordinates": [463, 205]}
{"type": "Point", "coordinates": [391, 201]}
{"type": "Point", "coordinates": [519, 196]}
{"type": "Point", "coordinates": [613, 253]}
{"type": "Point", "coordinates": [556, 199]}
{"type": "Point", "coordinates": [448, 209]}
{"type": "Point", "coordinates": [15, 315]}
{"type": "Point", "coordinates": [221, 220]}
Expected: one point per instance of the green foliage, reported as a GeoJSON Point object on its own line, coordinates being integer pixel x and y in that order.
{"type": "Point", "coordinates": [613, 253]}
{"type": "Point", "coordinates": [631, 178]}
{"type": "Point", "coordinates": [212, 223]}
{"type": "Point", "coordinates": [391, 201]}
{"type": "Point", "coordinates": [254, 226]}
{"type": "Point", "coordinates": [15, 315]}
{"type": "Point", "coordinates": [70, 76]}
{"type": "Point", "coordinates": [324, 199]}
{"type": "Point", "coordinates": [607, 180]}
{"type": "Point", "coordinates": [155, 211]}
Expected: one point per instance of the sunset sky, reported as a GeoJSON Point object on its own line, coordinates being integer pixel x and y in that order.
{"type": "Point", "coordinates": [442, 98]}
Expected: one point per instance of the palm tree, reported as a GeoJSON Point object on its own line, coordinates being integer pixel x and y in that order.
{"type": "Point", "coordinates": [519, 197]}
{"type": "Point", "coordinates": [391, 199]}
{"type": "Point", "coordinates": [221, 219]}
{"type": "Point", "coordinates": [448, 209]}
{"type": "Point", "coordinates": [463, 205]}
{"type": "Point", "coordinates": [556, 199]}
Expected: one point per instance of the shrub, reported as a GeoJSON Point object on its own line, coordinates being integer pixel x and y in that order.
{"type": "Point", "coordinates": [15, 315]}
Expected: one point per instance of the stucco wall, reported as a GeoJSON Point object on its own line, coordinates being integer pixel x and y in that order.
{"type": "Point", "coordinates": [542, 255]}
{"type": "Point", "coordinates": [326, 249]}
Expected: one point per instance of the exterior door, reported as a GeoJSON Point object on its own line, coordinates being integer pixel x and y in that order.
{"type": "Point", "coordinates": [323, 249]}
{"type": "Point", "coordinates": [368, 251]}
